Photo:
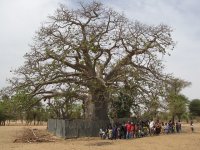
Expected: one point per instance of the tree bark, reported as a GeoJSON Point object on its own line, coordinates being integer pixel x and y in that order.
{"type": "Point", "coordinates": [96, 106]}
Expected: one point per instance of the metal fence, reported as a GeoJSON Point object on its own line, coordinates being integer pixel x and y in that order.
{"type": "Point", "coordinates": [79, 127]}
{"type": "Point", "coordinates": [75, 128]}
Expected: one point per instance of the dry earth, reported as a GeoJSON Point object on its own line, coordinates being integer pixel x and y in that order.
{"type": "Point", "coordinates": [182, 141]}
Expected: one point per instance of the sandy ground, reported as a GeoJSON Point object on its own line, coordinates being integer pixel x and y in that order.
{"type": "Point", "coordinates": [182, 141]}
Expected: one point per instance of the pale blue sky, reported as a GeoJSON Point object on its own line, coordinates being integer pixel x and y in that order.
{"type": "Point", "coordinates": [21, 18]}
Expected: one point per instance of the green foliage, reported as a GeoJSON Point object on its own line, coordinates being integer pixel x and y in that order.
{"type": "Point", "coordinates": [6, 112]}
{"type": "Point", "coordinates": [176, 101]}
{"type": "Point", "coordinates": [194, 107]}
{"type": "Point", "coordinates": [186, 117]}
{"type": "Point", "coordinates": [76, 112]}
{"type": "Point", "coordinates": [152, 107]}
{"type": "Point", "coordinates": [21, 107]}
{"type": "Point", "coordinates": [65, 108]}
{"type": "Point", "coordinates": [37, 113]}
{"type": "Point", "coordinates": [164, 116]}
{"type": "Point", "coordinates": [122, 106]}
{"type": "Point", "coordinates": [177, 105]}
{"type": "Point", "coordinates": [3, 115]}
{"type": "Point", "coordinates": [176, 85]}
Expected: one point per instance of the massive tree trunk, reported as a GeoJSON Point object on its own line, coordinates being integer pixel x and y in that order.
{"type": "Point", "coordinates": [96, 106]}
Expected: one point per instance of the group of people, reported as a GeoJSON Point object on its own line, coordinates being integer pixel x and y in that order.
{"type": "Point", "coordinates": [140, 129]}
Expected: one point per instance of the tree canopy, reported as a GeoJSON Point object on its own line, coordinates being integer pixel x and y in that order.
{"type": "Point", "coordinates": [176, 101]}
{"type": "Point", "coordinates": [89, 53]}
{"type": "Point", "coordinates": [194, 107]}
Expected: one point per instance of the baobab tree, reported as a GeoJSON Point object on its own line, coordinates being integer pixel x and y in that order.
{"type": "Point", "coordinates": [92, 50]}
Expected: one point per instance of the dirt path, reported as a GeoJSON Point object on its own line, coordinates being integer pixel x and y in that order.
{"type": "Point", "coordinates": [183, 141]}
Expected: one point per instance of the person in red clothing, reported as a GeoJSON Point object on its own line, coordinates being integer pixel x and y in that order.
{"type": "Point", "coordinates": [128, 130]}
{"type": "Point", "coordinates": [132, 130]}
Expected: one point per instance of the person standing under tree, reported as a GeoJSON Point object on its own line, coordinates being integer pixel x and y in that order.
{"type": "Point", "coordinates": [128, 130]}
{"type": "Point", "coordinates": [191, 126]}
{"type": "Point", "coordinates": [177, 127]}
{"type": "Point", "coordinates": [179, 123]}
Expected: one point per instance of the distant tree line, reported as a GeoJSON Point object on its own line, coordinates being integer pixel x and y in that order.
{"type": "Point", "coordinates": [124, 105]}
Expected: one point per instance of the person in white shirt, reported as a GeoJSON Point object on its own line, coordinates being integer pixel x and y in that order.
{"type": "Point", "coordinates": [151, 127]}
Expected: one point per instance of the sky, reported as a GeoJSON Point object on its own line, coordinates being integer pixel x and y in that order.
{"type": "Point", "coordinates": [20, 19]}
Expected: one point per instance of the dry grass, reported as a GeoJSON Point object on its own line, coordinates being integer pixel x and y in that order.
{"type": "Point", "coordinates": [183, 141]}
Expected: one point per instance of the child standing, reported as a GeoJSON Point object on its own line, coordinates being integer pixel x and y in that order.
{"type": "Point", "coordinates": [166, 128]}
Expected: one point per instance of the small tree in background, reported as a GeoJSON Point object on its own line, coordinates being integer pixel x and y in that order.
{"type": "Point", "coordinates": [177, 105]}
{"type": "Point", "coordinates": [6, 109]}
{"type": "Point", "coordinates": [176, 102]}
{"type": "Point", "coordinates": [194, 107]}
